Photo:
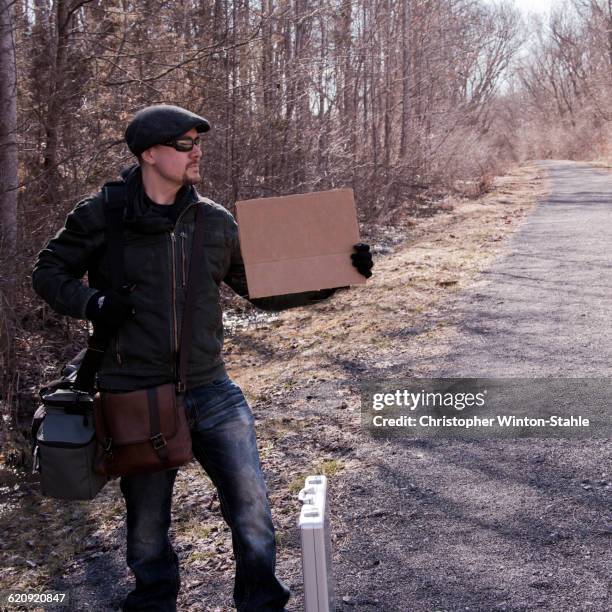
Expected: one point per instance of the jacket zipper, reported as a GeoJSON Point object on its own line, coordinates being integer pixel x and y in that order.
{"type": "Point", "coordinates": [174, 340]}
{"type": "Point", "coordinates": [183, 258]}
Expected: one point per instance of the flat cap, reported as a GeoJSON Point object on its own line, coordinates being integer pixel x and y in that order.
{"type": "Point", "coordinates": [160, 123]}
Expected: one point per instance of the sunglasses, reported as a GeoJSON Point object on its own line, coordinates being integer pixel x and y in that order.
{"type": "Point", "coordinates": [184, 145]}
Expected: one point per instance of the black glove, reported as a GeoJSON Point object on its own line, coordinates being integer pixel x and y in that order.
{"type": "Point", "coordinates": [111, 308]}
{"type": "Point", "coordinates": [362, 259]}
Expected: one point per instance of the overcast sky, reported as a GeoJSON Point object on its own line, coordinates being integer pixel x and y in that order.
{"type": "Point", "coordinates": [535, 6]}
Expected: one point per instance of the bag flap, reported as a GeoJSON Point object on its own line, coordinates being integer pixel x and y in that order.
{"type": "Point", "coordinates": [58, 427]}
{"type": "Point", "coordinates": [126, 418]}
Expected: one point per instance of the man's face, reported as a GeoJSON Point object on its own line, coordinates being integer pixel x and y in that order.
{"type": "Point", "coordinates": [178, 167]}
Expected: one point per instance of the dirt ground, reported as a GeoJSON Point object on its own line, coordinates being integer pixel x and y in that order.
{"type": "Point", "coordinates": [300, 371]}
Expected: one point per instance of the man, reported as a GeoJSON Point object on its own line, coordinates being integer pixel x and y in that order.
{"type": "Point", "coordinates": [143, 323]}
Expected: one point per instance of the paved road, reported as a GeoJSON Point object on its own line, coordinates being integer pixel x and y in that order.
{"type": "Point", "coordinates": [519, 524]}
{"type": "Point", "coordinates": [473, 526]}
{"type": "Point", "coordinates": [544, 308]}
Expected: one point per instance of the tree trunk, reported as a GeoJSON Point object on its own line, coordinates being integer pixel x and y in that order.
{"type": "Point", "coordinates": [8, 208]}
{"type": "Point", "coordinates": [266, 84]}
{"type": "Point", "coordinates": [387, 66]}
{"type": "Point", "coordinates": [8, 125]}
{"type": "Point", "coordinates": [55, 105]}
{"type": "Point", "coordinates": [302, 118]}
{"type": "Point", "coordinates": [609, 28]}
{"type": "Point", "coordinates": [406, 71]}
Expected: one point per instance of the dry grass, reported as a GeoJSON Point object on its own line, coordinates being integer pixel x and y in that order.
{"type": "Point", "coordinates": [422, 262]}
{"type": "Point", "coordinates": [439, 256]}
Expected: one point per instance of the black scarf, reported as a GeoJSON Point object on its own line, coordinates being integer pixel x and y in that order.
{"type": "Point", "coordinates": [139, 215]}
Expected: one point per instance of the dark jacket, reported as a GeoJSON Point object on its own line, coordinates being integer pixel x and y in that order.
{"type": "Point", "coordinates": [156, 253]}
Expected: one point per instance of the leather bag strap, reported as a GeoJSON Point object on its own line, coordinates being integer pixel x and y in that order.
{"type": "Point", "coordinates": [197, 267]}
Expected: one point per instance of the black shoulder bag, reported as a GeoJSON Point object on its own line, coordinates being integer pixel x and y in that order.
{"type": "Point", "coordinates": [63, 433]}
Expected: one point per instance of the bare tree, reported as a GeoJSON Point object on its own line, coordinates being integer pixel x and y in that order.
{"type": "Point", "coordinates": [567, 82]}
{"type": "Point", "coordinates": [397, 99]}
{"type": "Point", "coordinates": [8, 128]}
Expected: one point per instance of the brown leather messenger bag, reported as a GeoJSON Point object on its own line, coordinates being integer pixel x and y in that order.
{"type": "Point", "coordinates": [146, 430]}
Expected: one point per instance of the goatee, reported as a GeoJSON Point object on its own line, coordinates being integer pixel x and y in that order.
{"type": "Point", "coordinates": [189, 179]}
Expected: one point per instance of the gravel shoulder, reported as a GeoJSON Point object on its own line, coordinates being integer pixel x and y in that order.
{"type": "Point", "coordinates": [417, 524]}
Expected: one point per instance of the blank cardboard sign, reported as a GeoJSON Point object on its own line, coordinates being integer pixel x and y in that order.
{"type": "Point", "coordinates": [299, 243]}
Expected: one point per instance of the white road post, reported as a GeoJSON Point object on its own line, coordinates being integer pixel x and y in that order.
{"type": "Point", "coordinates": [316, 546]}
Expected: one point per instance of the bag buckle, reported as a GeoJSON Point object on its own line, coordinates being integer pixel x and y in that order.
{"type": "Point", "coordinates": [158, 441]}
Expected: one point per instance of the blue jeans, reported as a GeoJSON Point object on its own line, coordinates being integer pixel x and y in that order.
{"type": "Point", "coordinates": [223, 437]}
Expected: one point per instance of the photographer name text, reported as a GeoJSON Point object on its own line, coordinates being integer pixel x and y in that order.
{"type": "Point", "coordinates": [475, 421]}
